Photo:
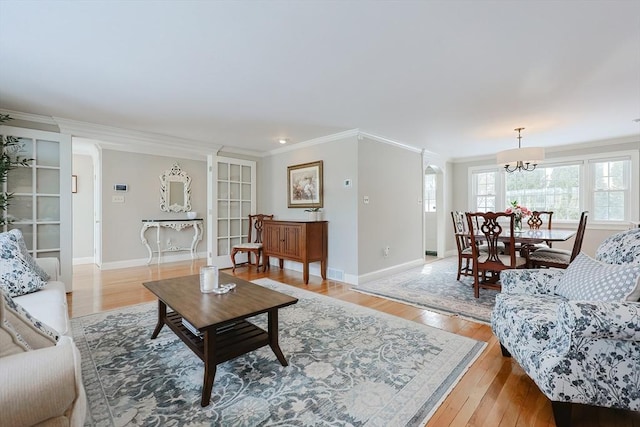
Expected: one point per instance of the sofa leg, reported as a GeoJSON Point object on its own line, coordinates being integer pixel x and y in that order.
{"type": "Point", "coordinates": [504, 350]}
{"type": "Point", "coordinates": [562, 413]}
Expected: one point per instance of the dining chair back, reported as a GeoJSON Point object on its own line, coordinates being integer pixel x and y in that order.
{"type": "Point", "coordinates": [494, 235]}
{"type": "Point", "coordinates": [537, 221]}
{"type": "Point", "coordinates": [254, 240]}
{"type": "Point", "coordinates": [465, 254]}
{"type": "Point", "coordinates": [559, 258]}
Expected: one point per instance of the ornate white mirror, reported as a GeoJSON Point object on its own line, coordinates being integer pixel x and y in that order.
{"type": "Point", "coordinates": [175, 190]}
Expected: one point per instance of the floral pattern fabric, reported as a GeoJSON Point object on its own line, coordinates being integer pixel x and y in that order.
{"type": "Point", "coordinates": [16, 275]}
{"type": "Point", "coordinates": [576, 351]}
{"type": "Point", "coordinates": [348, 366]}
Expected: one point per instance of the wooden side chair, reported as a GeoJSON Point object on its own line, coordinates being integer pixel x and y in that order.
{"type": "Point", "coordinates": [465, 254]}
{"type": "Point", "coordinates": [487, 265]}
{"type": "Point", "coordinates": [537, 221]}
{"type": "Point", "coordinates": [559, 258]}
{"type": "Point", "coordinates": [254, 240]}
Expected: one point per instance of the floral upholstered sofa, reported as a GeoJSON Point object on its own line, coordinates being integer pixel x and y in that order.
{"type": "Point", "coordinates": [576, 332]}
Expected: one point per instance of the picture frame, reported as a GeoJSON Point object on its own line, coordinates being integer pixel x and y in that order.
{"type": "Point", "coordinates": [74, 183]}
{"type": "Point", "coordinates": [305, 185]}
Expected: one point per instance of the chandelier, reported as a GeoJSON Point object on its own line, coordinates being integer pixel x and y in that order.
{"type": "Point", "coordinates": [520, 159]}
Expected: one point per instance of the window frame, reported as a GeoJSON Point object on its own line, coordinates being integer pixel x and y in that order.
{"type": "Point", "coordinates": [586, 193]}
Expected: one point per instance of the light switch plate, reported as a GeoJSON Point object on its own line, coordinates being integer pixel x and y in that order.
{"type": "Point", "coordinates": [117, 199]}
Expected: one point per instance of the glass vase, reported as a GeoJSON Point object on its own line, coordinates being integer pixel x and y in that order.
{"type": "Point", "coordinates": [517, 224]}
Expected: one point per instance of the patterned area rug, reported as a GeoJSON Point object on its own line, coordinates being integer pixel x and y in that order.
{"type": "Point", "coordinates": [348, 366]}
{"type": "Point", "coordinates": [434, 287]}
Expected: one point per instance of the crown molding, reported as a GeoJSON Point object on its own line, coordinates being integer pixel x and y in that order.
{"type": "Point", "coordinates": [342, 135]}
{"type": "Point", "coordinates": [135, 141]}
{"type": "Point", "coordinates": [558, 149]}
{"type": "Point", "coordinates": [315, 141]}
{"type": "Point", "coordinates": [29, 117]}
{"type": "Point", "coordinates": [391, 142]}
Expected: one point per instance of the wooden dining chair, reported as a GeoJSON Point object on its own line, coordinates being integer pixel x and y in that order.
{"type": "Point", "coordinates": [465, 255]}
{"type": "Point", "coordinates": [487, 265]}
{"type": "Point", "coordinates": [254, 240]}
{"type": "Point", "coordinates": [537, 221]}
{"type": "Point", "coordinates": [559, 258]}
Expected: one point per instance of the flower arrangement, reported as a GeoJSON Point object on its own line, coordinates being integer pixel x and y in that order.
{"type": "Point", "coordinates": [519, 211]}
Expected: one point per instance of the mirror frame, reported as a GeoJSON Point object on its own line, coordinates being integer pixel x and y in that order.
{"type": "Point", "coordinates": [175, 174]}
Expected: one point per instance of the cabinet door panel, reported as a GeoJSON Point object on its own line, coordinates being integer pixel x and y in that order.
{"type": "Point", "coordinates": [291, 244]}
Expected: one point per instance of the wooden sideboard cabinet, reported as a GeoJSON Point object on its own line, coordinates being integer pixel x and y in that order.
{"type": "Point", "coordinates": [302, 241]}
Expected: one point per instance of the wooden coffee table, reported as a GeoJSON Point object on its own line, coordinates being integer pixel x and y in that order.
{"type": "Point", "coordinates": [219, 319]}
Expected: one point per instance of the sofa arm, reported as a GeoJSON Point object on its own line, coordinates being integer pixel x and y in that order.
{"type": "Point", "coordinates": [41, 385]}
{"type": "Point", "coordinates": [599, 319]}
{"type": "Point", "coordinates": [530, 281]}
{"type": "Point", "coordinates": [51, 265]}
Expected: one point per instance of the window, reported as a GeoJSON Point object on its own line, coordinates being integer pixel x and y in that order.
{"type": "Point", "coordinates": [607, 187]}
{"type": "Point", "coordinates": [555, 188]}
{"type": "Point", "coordinates": [430, 192]}
{"type": "Point", "coordinates": [484, 186]}
{"type": "Point", "coordinates": [610, 189]}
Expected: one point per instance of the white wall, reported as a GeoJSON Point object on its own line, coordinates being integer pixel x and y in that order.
{"type": "Point", "coordinates": [340, 162]}
{"type": "Point", "coordinates": [391, 177]}
{"type": "Point", "coordinates": [83, 210]}
{"type": "Point", "coordinates": [121, 222]}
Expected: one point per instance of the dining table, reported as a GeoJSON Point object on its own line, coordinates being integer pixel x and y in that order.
{"type": "Point", "coordinates": [532, 236]}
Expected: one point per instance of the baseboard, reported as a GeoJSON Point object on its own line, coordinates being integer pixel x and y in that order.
{"type": "Point", "coordinates": [389, 271]}
{"type": "Point", "coordinates": [114, 265]}
{"type": "Point", "coordinates": [84, 260]}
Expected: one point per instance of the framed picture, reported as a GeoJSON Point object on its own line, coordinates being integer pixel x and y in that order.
{"type": "Point", "coordinates": [74, 183]}
{"type": "Point", "coordinates": [304, 184]}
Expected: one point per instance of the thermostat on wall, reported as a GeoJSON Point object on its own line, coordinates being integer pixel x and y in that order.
{"type": "Point", "coordinates": [121, 187]}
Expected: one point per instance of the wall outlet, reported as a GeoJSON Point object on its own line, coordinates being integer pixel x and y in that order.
{"type": "Point", "coordinates": [386, 251]}
{"type": "Point", "coordinates": [117, 199]}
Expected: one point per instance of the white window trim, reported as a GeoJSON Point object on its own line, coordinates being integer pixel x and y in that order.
{"type": "Point", "coordinates": [586, 179]}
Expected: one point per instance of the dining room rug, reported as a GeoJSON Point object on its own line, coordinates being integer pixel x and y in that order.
{"type": "Point", "coordinates": [433, 286]}
{"type": "Point", "coordinates": [348, 366]}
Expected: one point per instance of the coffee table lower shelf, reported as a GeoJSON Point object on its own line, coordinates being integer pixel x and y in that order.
{"type": "Point", "coordinates": [231, 340]}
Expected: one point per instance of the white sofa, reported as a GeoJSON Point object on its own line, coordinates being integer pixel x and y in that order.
{"type": "Point", "coordinates": [43, 387]}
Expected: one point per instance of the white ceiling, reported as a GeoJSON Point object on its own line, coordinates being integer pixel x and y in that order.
{"type": "Point", "coordinates": [454, 77]}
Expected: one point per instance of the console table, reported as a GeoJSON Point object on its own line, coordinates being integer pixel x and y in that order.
{"type": "Point", "coordinates": [175, 224]}
{"type": "Point", "coordinates": [302, 241]}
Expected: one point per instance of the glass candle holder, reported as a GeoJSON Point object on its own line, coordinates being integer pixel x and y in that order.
{"type": "Point", "coordinates": [209, 279]}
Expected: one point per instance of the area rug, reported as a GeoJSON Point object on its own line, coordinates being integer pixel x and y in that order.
{"type": "Point", "coordinates": [434, 287]}
{"type": "Point", "coordinates": [348, 366]}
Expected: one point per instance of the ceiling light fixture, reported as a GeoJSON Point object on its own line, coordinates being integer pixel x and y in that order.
{"type": "Point", "coordinates": [520, 159]}
{"type": "Point", "coordinates": [283, 140]}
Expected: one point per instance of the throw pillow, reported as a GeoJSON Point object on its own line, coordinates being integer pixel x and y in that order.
{"type": "Point", "coordinates": [27, 256]}
{"type": "Point", "coordinates": [30, 330]}
{"type": "Point", "coordinates": [589, 280]}
{"type": "Point", "coordinates": [16, 275]}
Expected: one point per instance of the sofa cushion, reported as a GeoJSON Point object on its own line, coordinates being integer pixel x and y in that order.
{"type": "Point", "coordinates": [586, 279]}
{"type": "Point", "coordinates": [525, 318]}
{"type": "Point", "coordinates": [27, 256]}
{"type": "Point", "coordinates": [16, 275]}
{"type": "Point", "coordinates": [48, 305]}
{"type": "Point", "coordinates": [33, 332]}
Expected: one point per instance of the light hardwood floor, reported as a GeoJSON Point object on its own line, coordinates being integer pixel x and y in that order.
{"type": "Point", "coordinates": [494, 392]}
